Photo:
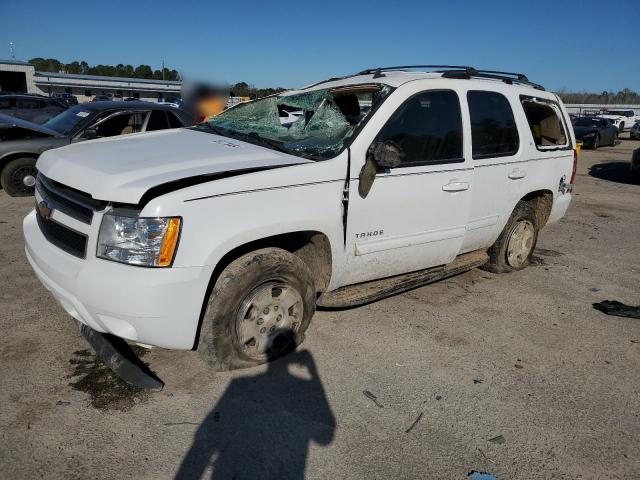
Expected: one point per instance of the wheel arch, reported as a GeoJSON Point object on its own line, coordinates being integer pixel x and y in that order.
{"type": "Point", "coordinates": [312, 247]}
{"type": "Point", "coordinates": [4, 160]}
{"type": "Point", "coordinates": [542, 202]}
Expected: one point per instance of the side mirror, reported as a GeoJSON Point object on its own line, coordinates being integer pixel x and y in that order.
{"type": "Point", "coordinates": [380, 155]}
{"type": "Point", "coordinates": [385, 154]}
{"type": "Point", "coordinates": [90, 133]}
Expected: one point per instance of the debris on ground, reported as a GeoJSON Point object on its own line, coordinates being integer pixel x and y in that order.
{"type": "Point", "coordinates": [477, 381]}
{"type": "Point", "coordinates": [438, 397]}
{"type": "Point", "coordinates": [619, 309]}
{"type": "Point", "coordinates": [63, 402]}
{"type": "Point", "coordinates": [475, 475]}
{"type": "Point", "coordinates": [372, 397]}
{"type": "Point", "coordinates": [415, 422]}
{"type": "Point", "coordinates": [105, 389]}
{"type": "Point", "coordinates": [499, 440]}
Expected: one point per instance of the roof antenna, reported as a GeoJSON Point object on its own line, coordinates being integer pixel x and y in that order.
{"type": "Point", "coordinates": [378, 73]}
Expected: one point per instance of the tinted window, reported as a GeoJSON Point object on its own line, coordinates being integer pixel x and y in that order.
{"type": "Point", "coordinates": [157, 121]}
{"type": "Point", "coordinates": [427, 128]}
{"type": "Point", "coordinates": [493, 128]}
{"type": "Point", "coordinates": [173, 120]}
{"type": "Point", "coordinates": [6, 103]}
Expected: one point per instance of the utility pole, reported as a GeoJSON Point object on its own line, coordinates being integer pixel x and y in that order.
{"type": "Point", "coordinates": [12, 53]}
{"type": "Point", "coordinates": [163, 69]}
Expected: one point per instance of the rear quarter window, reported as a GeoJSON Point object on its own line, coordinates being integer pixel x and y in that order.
{"type": "Point", "coordinates": [493, 127]}
{"type": "Point", "coordinates": [545, 122]}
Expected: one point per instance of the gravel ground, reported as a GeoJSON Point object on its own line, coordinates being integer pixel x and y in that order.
{"type": "Point", "coordinates": [516, 374]}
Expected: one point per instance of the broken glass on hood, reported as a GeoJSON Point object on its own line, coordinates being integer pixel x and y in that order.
{"type": "Point", "coordinates": [314, 124]}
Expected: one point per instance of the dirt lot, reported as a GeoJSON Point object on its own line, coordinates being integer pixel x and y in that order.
{"type": "Point", "coordinates": [522, 357]}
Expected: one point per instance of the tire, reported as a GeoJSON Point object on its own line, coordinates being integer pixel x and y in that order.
{"type": "Point", "coordinates": [621, 129]}
{"type": "Point", "coordinates": [596, 142]}
{"type": "Point", "coordinates": [13, 177]}
{"type": "Point", "coordinates": [501, 258]}
{"type": "Point", "coordinates": [614, 137]}
{"type": "Point", "coordinates": [250, 297]}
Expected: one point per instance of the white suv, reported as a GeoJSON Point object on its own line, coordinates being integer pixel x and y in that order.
{"type": "Point", "coordinates": [622, 119]}
{"type": "Point", "coordinates": [225, 236]}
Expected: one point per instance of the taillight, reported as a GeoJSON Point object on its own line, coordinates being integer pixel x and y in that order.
{"type": "Point", "coordinates": [575, 166]}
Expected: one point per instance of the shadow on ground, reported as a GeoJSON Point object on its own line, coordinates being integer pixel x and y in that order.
{"type": "Point", "coordinates": [262, 425]}
{"type": "Point", "coordinates": [614, 172]}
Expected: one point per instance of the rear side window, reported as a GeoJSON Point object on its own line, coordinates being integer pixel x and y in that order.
{"type": "Point", "coordinates": [427, 128]}
{"type": "Point", "coordinates": [173, 120]}
{"type": "Point", "coordinates": [157, 121]}
{"type": "Point", "coordinates": [545, 122]}
{"type": "Point", "coordinates": [493, 128]}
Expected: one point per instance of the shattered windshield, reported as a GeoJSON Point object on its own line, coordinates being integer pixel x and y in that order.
{"type": "Point", "coordinates": [315, 124]}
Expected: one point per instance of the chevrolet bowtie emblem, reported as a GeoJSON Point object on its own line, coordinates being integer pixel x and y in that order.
{"type": "Point", "coordinates": [44, 210]}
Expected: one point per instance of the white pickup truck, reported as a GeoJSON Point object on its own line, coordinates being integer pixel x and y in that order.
{"type": "Point", "coordinates": [225, 236]}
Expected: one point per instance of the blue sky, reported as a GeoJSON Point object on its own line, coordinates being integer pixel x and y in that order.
{"type": "Point", "coordinates": [574, 44]}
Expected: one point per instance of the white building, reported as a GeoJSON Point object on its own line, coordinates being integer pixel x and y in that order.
{"type": "Point", "coordinates": [19, 76]}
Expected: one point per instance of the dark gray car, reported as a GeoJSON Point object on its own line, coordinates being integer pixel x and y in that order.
{"type": "Point", "coordinates": [22, 142]}
{"type": "Point", "coordinates": [35, 108]}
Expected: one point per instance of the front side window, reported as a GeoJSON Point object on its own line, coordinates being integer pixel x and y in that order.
{"type": "Point", "coordinates": [314, 124]}
{"type": "Point", "coordinates": [120, 124]}
{"type": "Point", "coordinates": [427, 128]}
{"type": "Point", "coordinates": [493, 127]}
{"type": "Point", "coordinates": [545, 122]}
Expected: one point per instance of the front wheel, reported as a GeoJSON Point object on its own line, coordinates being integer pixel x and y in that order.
{"type": "Point", "coordinates": [514, 247]}
{"type": "Point", "coordinates": [19, 177]}
{"type": "Point", "coordinates": [614, 138]}
{"type": "Point", "coordinates": [259, 309]}
{"type": "Point", "coordinates": [596, 142]}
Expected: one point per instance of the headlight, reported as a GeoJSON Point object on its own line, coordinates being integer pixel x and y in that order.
{"type": "Point", "coordinates": [147, 242]}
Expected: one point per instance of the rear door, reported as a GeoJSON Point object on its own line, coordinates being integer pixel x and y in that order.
{"type": "Point", "coordinates": [496, 151]}
{"type": "Point", "coordinates": [414, 215]}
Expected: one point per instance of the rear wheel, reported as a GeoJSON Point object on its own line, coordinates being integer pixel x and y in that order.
{"type": "Point", "coordinates": [259, 309]}
{"type": "Point", "coordinates": [19, 177]}
{"type": "Point", "coordinates": [514, 247]}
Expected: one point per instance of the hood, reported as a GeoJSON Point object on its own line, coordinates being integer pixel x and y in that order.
{"type": "Point", "coordinates": [7, 122]}
{"type": "Point", "coordinates": [122, 169]}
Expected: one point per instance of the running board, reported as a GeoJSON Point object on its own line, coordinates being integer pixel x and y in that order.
{"type": "Point", "coordinates": [121, 359]}
{"type": "Point", "coordinates": [367, 292]}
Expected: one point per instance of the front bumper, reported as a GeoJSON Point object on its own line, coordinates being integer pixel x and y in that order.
{"type": "Point", "coordinates": [153, 306]}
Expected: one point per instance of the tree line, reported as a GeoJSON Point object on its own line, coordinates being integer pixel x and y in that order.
{"type": "Point", "coordinates": [120, 70]}
{"type": "Point", "coordinates": [625, 96]}
{"type": "Point", "coordinates": [243, 89]}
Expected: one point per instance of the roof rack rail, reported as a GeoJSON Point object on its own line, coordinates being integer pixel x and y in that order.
{"type": "Point", "coordinates": [459, 71]}
{"type": "Point", "coordinates": [378, 71]}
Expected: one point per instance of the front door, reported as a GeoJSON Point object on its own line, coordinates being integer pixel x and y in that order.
{"type": "Point", "coordinates": [414, 215]}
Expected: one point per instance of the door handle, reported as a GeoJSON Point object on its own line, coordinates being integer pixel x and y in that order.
{"type": "Point", "coordinates": [516, 174]}
{"type": "Point", "coordinates": [455, 186]}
